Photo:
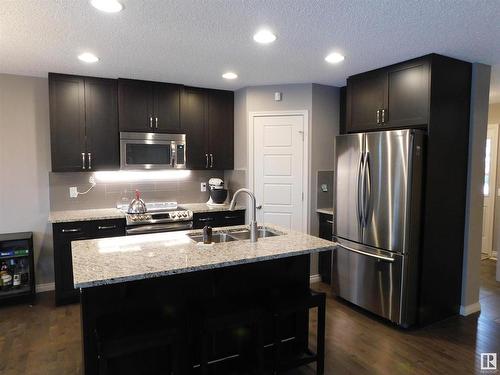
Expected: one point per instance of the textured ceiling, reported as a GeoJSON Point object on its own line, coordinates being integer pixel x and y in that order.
{"type": "Point", "coordinates": [195, 41]}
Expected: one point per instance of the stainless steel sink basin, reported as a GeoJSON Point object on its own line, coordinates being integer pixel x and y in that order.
{"type": "Point", "coordinates": [244, 234]}
{"type": "Point", "coordinates": [216, 237]}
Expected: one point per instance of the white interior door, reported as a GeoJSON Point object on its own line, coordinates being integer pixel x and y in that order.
{"type": "Point", "coordinates": [278, 170]}
{"type": "Point", "coordinates": [490, 167]}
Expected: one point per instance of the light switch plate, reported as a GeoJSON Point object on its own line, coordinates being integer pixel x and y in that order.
{"type": "Point", "coordinates": [324, 188]}
{"type": "Point", "coordinates": [203, 186]}
{"type": "Point", "coordinates": [73, 192]}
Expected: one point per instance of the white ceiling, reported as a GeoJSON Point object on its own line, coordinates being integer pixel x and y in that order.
{"type": "Point", "coordinates": [195, 41]}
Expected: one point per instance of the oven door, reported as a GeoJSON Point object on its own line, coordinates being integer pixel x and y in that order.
{"type": "Point", "coordinates": [159, 228]}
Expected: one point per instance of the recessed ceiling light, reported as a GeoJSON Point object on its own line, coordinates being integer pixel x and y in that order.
{"type": "Point", "coordinates": [88, 57]}
{"type": "Point", "coordinates": [108, 6]}
{"type": "Point", "coordinates": [230, 75]}
{"type": "Point", "coordinates": [264, 37]}
{"type": "Point", "coordinates": [334, 58]}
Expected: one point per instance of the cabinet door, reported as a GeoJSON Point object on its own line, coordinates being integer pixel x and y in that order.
{"type": "Point", "coordinates": [325, 257]}
{"type": "Point", "coordinates": [166, 107]}
{"type": "Point", "coordinates": [221, 129]}
{"type": "Point", "coordinates": [67, 122]}
{"type": "Point", "coordinates": [366, 95]}
{"type": "Point", "coordinates": [408, 95]}
{"type": "Point", "coordinates": [101, 113]}
{"type": "Point", "coordinates": [63, 264]}
{"type": "Point", "coordinates": [193, 120]}
{"type": "Point", "coordinates": [135, 105]}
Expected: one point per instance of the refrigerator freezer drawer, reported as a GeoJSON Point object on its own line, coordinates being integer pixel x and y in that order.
{"type": "Point", "coordinates": [371, 281]}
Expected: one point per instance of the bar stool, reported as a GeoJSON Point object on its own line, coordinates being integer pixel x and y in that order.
{"type": "Point", "coordinates": [287, 304]}
{"type": "Point", "coordinates": [222, 315]}
{"type": "Point", "coordinates": [122, 335]}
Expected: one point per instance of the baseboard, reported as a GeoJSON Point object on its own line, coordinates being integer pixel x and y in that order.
{"type": "Point", "coordinates": [470, 309]}
{"type": "Point", "coordinates": [314, 278]}
{"type": "Point", "coordinates": [40, 288]}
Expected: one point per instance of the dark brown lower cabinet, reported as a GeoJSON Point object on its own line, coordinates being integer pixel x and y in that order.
{"type": "Point", "coordinates": [325, 257]}
{"type": "Point", "coordinates": [218, 219]}
{"type": "Point", "coordinates": [64, 234]}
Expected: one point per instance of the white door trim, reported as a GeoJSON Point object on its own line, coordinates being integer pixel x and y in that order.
{"type": "Point", "coordinates": [305, 166]}
{"type": "Point", "coordinates": [493, 128]}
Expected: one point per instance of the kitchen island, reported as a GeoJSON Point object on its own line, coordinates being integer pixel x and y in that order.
{"type": "Point", "coordinates": [172, 271]}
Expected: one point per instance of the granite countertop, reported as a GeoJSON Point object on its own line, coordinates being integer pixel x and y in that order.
{"type": "Point", "coordinates": [114, 213]}
{"type": "Point", "coordinates": [203, 207]}
{"type": "Point", "coordinates": [327, 211]}
{"type": "Point", "coordinates": [85, 215]}
{"type": "Point", "coordinates": [121, 259]}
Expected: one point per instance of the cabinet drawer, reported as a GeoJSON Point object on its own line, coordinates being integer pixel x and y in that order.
{"type": "Point", "coordinates": [71, 231]}
{"type": "Point", "coordinates": [107, 228]}
{"type": "Point", "coordinates": [218, 219]}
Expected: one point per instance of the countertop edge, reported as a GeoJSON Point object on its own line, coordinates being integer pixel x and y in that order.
{"type": "Point", "coordinates": [144, 276]}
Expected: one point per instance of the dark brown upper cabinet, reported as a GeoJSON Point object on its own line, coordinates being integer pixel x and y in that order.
{"type": "Point", "coordinates": [207, 118]}
{"type": "Point", "coordinates": [397, 96]}
{"type": "Point", "coordinates": [83, 123]}
{"type": "Point", "coordinates": [148, 106]}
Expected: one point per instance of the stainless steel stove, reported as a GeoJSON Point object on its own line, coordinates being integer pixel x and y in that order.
{"type": "Point", "coordinates": [159, 217]}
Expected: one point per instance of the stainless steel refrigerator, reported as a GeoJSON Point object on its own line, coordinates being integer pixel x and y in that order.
{"type": "Point", "coordinates": [378, 195]}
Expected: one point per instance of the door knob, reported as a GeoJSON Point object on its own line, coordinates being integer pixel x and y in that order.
{"type": "Point", "coordinates": [259, 207]}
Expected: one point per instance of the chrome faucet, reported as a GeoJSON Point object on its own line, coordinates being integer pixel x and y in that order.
{"type": "Point", "coordinates": [253, 221]}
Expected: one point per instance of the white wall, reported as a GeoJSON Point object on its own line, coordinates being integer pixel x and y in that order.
{"type": "Point", "coordinates": [25, 163]}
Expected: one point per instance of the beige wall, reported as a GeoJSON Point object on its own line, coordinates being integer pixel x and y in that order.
{"type": "Point", "coordinates": [494, 113]}
{"type": "Point", "coordinates": [474, 208]}
{"type": "Point", "coordinates": [25, 163]}
{"type": "Point", "coordinates": [320, 101]}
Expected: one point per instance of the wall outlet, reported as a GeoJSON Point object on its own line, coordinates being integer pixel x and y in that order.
{"type": "Point", "coordinates": [324, 188]}
{"type": "Point", "coordinates": [203, 186]}
{"type": "Point", "coordinates": [73, 192]}
{"type": "Point", "coordinates": [92, 180]}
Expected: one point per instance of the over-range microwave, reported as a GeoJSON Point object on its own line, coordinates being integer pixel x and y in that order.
{"type": "Point", "coordinates": [152, 151]}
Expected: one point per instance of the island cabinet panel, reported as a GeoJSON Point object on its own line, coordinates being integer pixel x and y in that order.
{"type": "Point", "coordinates": [183, 295]}
{"type": "Point", "coordinates": [218, 219]}
{"type": "Point", "coordinates": [207, 118]}
{"type": "Point", "coordinates": [64, 234]}
{"type": "Point", "coordinates": [149, 106]}
{"type": "Point", "coordinates": [397, 96]}
{"type": "Point", "coordinates": [83, 123]}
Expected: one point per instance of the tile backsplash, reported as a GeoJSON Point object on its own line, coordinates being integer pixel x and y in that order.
{"type": "Point", "coordinates": [108, 194]}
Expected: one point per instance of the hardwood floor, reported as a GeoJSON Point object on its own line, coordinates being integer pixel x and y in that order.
{"type": "Point", "coordinates": [46, 340]}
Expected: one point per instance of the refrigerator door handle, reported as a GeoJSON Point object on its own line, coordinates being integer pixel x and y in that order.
{"type": "Point", "coordinates": [359, 200]}
{"type": "Point", "coordinates": [381, 257]}
{"type": "Point", "coordinates": [367, 189]}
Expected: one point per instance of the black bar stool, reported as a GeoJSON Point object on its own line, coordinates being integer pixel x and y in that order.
{"type": "Point", "coordinates": [124, 335]}
{"type": "Point", "coordinates": [288, 303]}
{"type": "Point", "coordinates": [224, 315]}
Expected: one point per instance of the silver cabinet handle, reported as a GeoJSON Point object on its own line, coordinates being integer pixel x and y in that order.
{"type": "Point", "coordinates": [106, 227]}
{"type": "Point", "coordinates": [206, 163]}
{"type": "Point", "coordinates": [76, 230]}
{"type": "Point", "coordinates": [378, 116]}
{"type": "Point", "coordinates": [156, 122]}
{"type": "Point", "coordinates": [329, 221]}
{"type": "Point", "coordinates": [211, 160]}
{"type": "Point", "coordinates": [204, 219]}
{"type": "Point", "coordinates": [90, 160]}
{"type": "Point", "coordinates": [83, 160]}
{"type": "Point", "coordinates": [381, 257]}
{"type": "Point", "coordinates": [383, 116]}
{"type": "Point", "coordinates": [231, 217]}
{"type": "Point", "coordinates": [151, 122]}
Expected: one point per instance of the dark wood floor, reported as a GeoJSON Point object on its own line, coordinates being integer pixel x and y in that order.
{"type": "Point", "coordinates": [46, 340]}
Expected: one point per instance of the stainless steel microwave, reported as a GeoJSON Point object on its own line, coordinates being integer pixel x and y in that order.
{"type": "Point", "coordinates": [152, 151]}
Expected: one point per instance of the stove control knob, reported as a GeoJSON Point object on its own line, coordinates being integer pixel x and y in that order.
{"type": "Point", "coordinates": [174, 215]}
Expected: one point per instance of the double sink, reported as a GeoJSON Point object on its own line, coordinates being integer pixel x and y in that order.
{"type": "Point", "coordinates": [236, 235]}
